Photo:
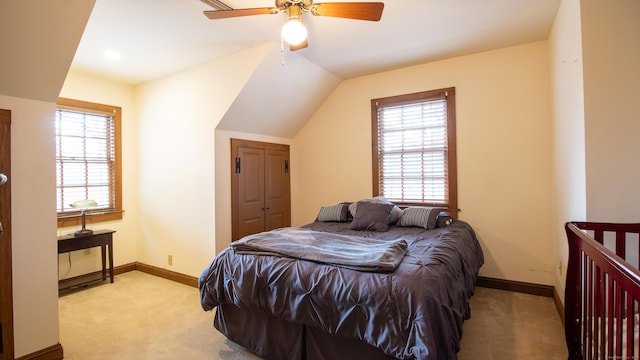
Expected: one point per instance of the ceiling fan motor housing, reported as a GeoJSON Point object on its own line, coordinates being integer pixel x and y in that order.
{"type": "Point", "coordinates": [304, 5]}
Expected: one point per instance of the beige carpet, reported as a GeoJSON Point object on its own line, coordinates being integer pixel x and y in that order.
{"type": "Point", "coordinates": [141, 316]}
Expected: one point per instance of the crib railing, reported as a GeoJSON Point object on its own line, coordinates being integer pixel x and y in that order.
{"type": "Point", "coordinates": [602, 293]}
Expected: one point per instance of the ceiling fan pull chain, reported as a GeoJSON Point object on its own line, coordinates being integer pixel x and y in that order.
{"type": "Point", "coordinates": [282, 50]}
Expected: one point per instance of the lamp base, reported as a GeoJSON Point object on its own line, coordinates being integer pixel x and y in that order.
{"type": "Point", "coordinates": [83, 232]}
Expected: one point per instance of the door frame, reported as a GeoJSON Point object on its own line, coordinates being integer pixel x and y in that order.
{"type": "Point", "coordinates": [6, 279]}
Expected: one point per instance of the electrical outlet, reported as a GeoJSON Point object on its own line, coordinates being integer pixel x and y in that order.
{"type": "Point", "coordinates": [170, 260]}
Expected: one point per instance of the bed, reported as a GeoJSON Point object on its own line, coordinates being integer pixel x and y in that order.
{"type": "Point", "coordinates": [602, 291]}
{"type": "Point", "coordinates": [408, 301]}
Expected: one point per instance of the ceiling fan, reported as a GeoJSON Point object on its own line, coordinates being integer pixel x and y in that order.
{"type": "Point", "coordinates": [293, 31]}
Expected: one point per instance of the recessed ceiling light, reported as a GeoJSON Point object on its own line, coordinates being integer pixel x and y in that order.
{"type": "Point", "coordinates": [112, 54]}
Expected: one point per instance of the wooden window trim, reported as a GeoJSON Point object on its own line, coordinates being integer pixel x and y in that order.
{"type": "Point", "coordinates": [74, 218]}
{"type": "Point", "coordinates": [451, 140]}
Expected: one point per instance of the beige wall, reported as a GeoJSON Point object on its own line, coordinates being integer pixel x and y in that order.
{"type": "Point", "coordinates": [595, 54]}
{"type": "Point", "coordinates": [170, 151]}
{"type": "Point", "coordinates": [504, 151]}
{"type": "Point", "coordinates": [177, 118]}
{"type": "Point", "coordinates": [37, 53]}
{"type": "Point", "coordinates": [611, 53]}
{"type": "Point", "coordinates": [33, 199]}
{"type": "Point", "coordinates": [569, 191]}
{"type": "Point", "coordinates": [85, 87]}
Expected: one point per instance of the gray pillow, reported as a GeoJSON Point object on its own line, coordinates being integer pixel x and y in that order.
{"type": "Point", "coordinates": [421, 216]}
{"type": "Point", "coordinates": [334, 213]}
{"type": "Point", "coordinates": [395, 214]}
{"type": "Point", "coordinates": [371, 216]}
{"type": "Point", "coordinates": [443, 220]}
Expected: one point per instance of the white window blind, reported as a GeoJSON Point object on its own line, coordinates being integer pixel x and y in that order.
{"type": "Point", "coordinates": [85, 159]}
{"type": "Point", "coordinates": [413, 152]}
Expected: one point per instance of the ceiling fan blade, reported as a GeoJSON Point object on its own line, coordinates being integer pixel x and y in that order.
{"type": "Point", "coordinates": [223, 14]}
{"type": "Point", "coordinates": [371, 11]}
{"type": "Point", "coordinates": [302, 45]}
{"type": "Point", "coordinates": [217, 4]}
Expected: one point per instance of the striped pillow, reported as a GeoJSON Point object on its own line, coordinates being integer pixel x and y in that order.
{"type": "Point", "coordinates": [334, 213]}
{"type": "Point", "coordinates": [421, 216]}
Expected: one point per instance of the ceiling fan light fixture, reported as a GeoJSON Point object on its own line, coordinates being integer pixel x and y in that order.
{"type": "Point", "coordinates": [294, 32]}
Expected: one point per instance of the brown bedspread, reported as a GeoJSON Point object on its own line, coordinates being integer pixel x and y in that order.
{"type": "Point", "coordinates": [416, 311]}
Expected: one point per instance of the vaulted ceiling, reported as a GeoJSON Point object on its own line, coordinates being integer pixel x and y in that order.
{"type": "Point", "coordinates": [155, 38]}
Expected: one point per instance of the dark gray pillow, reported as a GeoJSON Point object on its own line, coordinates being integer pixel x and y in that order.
{"type": "Point", "coordinates": [443, 220]}
{"type": "Point", "coordinates": [371, 216]}
{"type": "Point", "coordinates": [395, 214]}
{"type": "Point", "coordinates": [334, 213]}
{"type": "Point", "coordinates": [421, 216]}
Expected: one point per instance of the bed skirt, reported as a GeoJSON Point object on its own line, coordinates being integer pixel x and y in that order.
{"type": "Point", "coordinates": [272, 338]}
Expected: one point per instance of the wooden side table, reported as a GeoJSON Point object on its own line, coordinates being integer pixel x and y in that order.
{"type": "Point", "coordinates": [102, 238]}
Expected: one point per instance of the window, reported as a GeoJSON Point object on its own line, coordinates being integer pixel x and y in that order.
{"type": "Point", "coordinates": [88, 162]}
{"type": "Point", "coordinates": [414, 148]}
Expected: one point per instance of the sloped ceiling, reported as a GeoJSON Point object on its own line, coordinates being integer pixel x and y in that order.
{"type": "Point", "coordinates": [284, 91]}
{"type": "Point", "coordinates": [39, 40]}
{"type": "Point", "coordinates": [157, 38]}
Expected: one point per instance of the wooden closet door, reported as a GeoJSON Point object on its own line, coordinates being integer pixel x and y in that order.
{"type": "Point", "coordinates": [6, 289]}
{"type": "Point", "coordinates": [251, 194]}
{"type": "Point", "coordinates": [260, 187]}
{"type": "Point", "coordinates": [277, 193]}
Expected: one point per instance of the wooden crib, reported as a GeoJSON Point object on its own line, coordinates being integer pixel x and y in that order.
{"type": "Point", "coordinates": [602, 291]}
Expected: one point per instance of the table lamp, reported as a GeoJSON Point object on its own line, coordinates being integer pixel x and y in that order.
{"type": "Point", "coordinates": [83, 205]}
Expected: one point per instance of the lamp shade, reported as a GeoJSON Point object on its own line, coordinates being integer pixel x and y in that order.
{"type": "Point", "coordinates": [83, 204]}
